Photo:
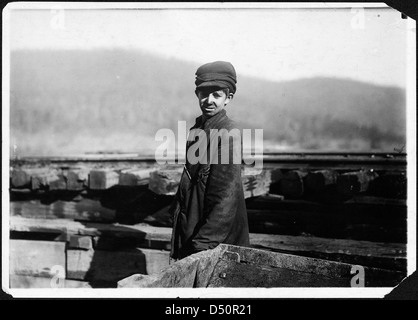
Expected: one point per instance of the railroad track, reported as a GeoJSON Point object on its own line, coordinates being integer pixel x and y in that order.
{"type": "Point", "coordinates": [395, 160]}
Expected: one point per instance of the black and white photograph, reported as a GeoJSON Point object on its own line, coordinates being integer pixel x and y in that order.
{"type": "Point", "coordinates": [207, 150]}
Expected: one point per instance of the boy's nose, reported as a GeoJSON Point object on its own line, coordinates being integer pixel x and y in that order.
{"type": "Point", "coordinates": [210, 98]}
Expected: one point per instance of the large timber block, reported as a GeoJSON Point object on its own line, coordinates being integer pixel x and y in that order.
{"type": "Point", "coordinates": [102, 179]}
{"type": "Point", "coordinates": [111, 266]}
{"type": "Point", "coordinates": [165, 181]}
{"type": "Point", "coordinates": [292, 184]}
{"type": "Point", "coordinates": [80, 242]}
{"type": "Point", "coordinates": [51, 180]}
{"type": "Point", "coordinates": [36, 178]}
{"type": "Point", "coordinates": [37, 258]}
{"type": "Point", "coordinates": [351, 183]}
{"type": "Point", "coordinates": [234, 266]}
{"type": "Point", "coordinates": [77, 179]}
{"type": "Point", "coordinates": [135, 177]}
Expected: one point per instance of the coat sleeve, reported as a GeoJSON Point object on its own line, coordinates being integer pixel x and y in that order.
{"type": "Point", "coordinates": [223, 188]}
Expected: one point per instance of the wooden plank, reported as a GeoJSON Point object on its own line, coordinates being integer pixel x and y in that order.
{"type": "Point", "coordinates": [113, 243]}
{"type": "Point", "coordinates": [96, 265]}
{"type": "Point", "coordinates": [140, 231]}
{"type": "Point", "coordinates": [31, 282]}
{"type": "Point", "coordinates": [368, 253]}
{"type": "Point", "coordinates": [378, 226]}
{"type": "Point", "coordinates": [326, 245]}
{"type": "Point", "coordinates": [85, 210]}
{"type": "Point", "coordinates": [135, 177]}
{"type": "Point", "coordinates": [376, 201]}
{"type": "Point", "coordinates": [102, 179]}
{"type": "Point", "coordinates": [36, 258]}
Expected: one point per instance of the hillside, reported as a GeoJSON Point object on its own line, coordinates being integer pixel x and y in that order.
{"type": "Point", "coordinates": [71, 102]}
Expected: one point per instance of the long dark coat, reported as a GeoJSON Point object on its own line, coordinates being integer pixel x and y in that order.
{"type": "Point", "coordinates": [209, 206]}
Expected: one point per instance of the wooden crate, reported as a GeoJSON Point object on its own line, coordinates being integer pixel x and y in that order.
{"type": "Point", "coordinates": [234, 266]}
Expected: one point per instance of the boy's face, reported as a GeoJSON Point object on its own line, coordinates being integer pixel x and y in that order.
{"type": "Point", "coordinates": [212, 100]}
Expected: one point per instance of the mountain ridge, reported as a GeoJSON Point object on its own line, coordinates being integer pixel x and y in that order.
{"type": "Point", "coordinates": [85, 100]}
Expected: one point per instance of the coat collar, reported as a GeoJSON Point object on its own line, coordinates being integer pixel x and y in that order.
{"type": "Point", "coordinates": [209, 122]}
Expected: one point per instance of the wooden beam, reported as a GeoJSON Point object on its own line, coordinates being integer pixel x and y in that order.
{"type": "Point", "coordinates": [368, 223]}
{"type": "Point", "coordinates": [368, 253]}
{"type": "Point", "coordinates": [139, 231]}
{"type": "Point", "coordinates": [85, 210]}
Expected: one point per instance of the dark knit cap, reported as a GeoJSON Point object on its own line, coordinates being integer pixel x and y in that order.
{"type": "Point", "coordinates": [216, 74]}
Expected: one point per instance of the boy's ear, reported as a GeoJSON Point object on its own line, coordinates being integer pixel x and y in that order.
{"type": "Point", "coordinates": [229, 97]}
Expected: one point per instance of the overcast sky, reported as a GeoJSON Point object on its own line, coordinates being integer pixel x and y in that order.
{"type": "Point", "coordinates": [272, 43]}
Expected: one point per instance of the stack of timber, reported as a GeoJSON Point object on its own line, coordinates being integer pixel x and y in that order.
{"type": "Point", "coordinates": [59, 253]}
{"type": "Point", "coordinates": [93, 223]}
